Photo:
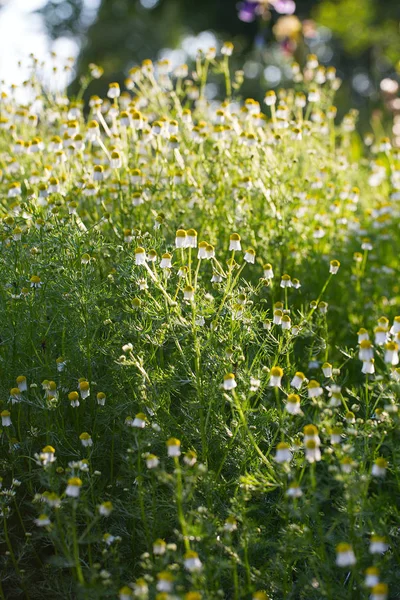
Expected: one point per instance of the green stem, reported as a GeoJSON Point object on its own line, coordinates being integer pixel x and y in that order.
{"type": "Point", "coordinates": [179, 504]}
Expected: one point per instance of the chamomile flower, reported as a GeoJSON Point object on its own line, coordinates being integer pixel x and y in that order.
{"type": "Point", "coordinates": [84, 389]}
{"type": "Point", "coordinates": [336, 435]}
{"type": "Point", "coordinates": [181, 239]}
{"type": "Point", "coordinates": [174, 447]}
{"type": "Point", "coordinates": [202, 250]}
{"type": "Point", "coordinates": [314, 389]}
{"type": "Point", "coordinates": [47, 455]}
{"type": "Point", "coordinates": [334, 267]}
{"type": "Point", "coordinates": [335, 395]}
{"type": "Point", "coordinates": [230, 525]}
{"type": "Point", "coordinates": [276, 374]}
{"type": "Point", "coordinates": [311, 434]}
{"type": "Point", "coordinates": [5, 418]}
{"type": "Point", "coordinates": [14, 190]}
{"type": "Point", "coordinates": [379, 467]}
{"type": "Point", "coordinates": [381, 335]}
{"type": "Point", "coordinates": [159, 547]}
{"type": "Point", "coordinates": [298, 380]}
{"type": "Point", "coordinates": [101, 398]}
{"type": "Point", "coordinates": [396, 326]}
{"type": "Point", "coordinates": [286, 281]}
{"type": "Point", "coordinates": [250, 256]}
{"type": "Point", "coordinates": [227, 49]}
{"type": "Point", "coordinates": [327, 369]}
{"type": "Point", "coordinates": [378, 545]}
{"type": "Point", "coordinates": [15, 395]}
{"type": "Point", "coordinates": [73, 397]}
{"type": "Point", "coordinates": [345, 556]}
{"type": "Point", "coordinates": [190, 458]}
{"type": "Point", "coordinates": [270, 98]}
{"type": "Point", "coordinates": [234, 242]}
{"type": "Point", "coordinates": [391, 353]}
{"type": "Point", "coordinates": [366, 352]}
{"type": "Point", "coordinates": [191, 238]}
{"type": "Point", "coordinates": [312, 451]}
{"type": "Point", "coordinates": [294, 490]}
{"type": "Point", "coordinates": [379, 591]}
{"type": "Point", "coordinates": [347, 464]}
{"type": "Point", "coordinates": [165, 581]}
{"type": "Point", "coordinates": [268, 271]}
{"type": "Point", "coordinates": [109, 539]}
{"type": "Point", "coordinates": [43, 521]}
{"type": "Point", "coordinates": [73, 487]}
{"type": "Point", "coordinates": [283, 453]}
{"type": "Point", "coordinates": [86, 439]}
{"type": "Point", "coordinates": [188, 293]}
{"type": "Point", "coordinates": [125, 593]}
{"type": "Point", "coordinates": [362, 335]}
{"type": "Point", "coordinates": [368, 367]}
{"type": "Point", "coordinates": [229, 381]}
{"type": "Point", "coordinates": [371, 577]}
{"type": "Point", "coordinates": [140, 587]}
{"type": "Point", "coordinates": [105, 509]}
{"type": "Point", "coordinates": [366, 244]}
{"type": "Point", "coordinates": [192, 561]}
{"type": "Point", "coordinates": [293, 404]}
{"type": "Point", "coordinates": [139, 421]}
{"type": "Point", "coordinates": [36, 281]}
{"type": "Point", "coordinates": [113, 90]}
{"type": "Point", "coordinates": [166, 261]}
{"type": "Point", "coordinates": [85, 259]}
{"type": "Point", "coordinates": [152, 461]}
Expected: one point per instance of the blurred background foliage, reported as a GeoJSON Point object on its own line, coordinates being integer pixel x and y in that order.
{"type": "Point", "coordinates": [361, 38]}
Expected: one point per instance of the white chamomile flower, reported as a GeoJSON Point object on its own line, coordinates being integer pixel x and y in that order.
{"type": "Point", "coordinates": [234, 242]}
{"type": "Point", "coordinates": [152, 461]}
{"type": "Point", "coordinates": [159, 547]}
{"type": "Point", "coordinates": [378, 545]}
{"type": "Point", "coordinates": [334, 267]}
{"type": "Point", "coordinates": [42, 521]}
{"type": "Point", "coordinates": [140, 256]}
{"type": "Point", "coordinates": [283, 453]}
{"type": "Point", "coordinates": [105, 509]}
{"type": "Point", "coordinates": [192, 561]}
{"type": "Point", "coordinates": [74, 487]}
{"type": "Point", "coordinates": [314, 389]}
{"type": "Point", "coordinates": [379, 467]}
{"type": "Point", "coordinates": [293, 404]}
{"type": "Point", "coordinates": [139, 421]}
{"type": "Point", "coordinates": [298, 380]}
{"type": "Point", "coordinates": [276, 375]}
{"type": "Point", "coordinates": [294, 490]}
{"type": "Point", "coordinates": [268, 271]}
{"type": "Point", "coordinates": [345, 556]}
{"type": "Point", "coordinates": [174, 447]}
{"type": "Point", "coordinates": [379, 591]}
{"type": "Point", "coordinates": [250, 256]}
{"type": "Point", "coordinates": [371, 577]}
{"type": "Point", "coordinates": [229, 381]}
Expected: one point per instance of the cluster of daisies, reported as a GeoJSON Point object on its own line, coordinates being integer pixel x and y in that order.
{"type": "Point", "coordinates": [204, 236]}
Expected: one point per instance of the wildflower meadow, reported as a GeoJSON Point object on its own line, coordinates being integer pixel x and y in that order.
{"type": "Point", "coordinates": [199, 334]}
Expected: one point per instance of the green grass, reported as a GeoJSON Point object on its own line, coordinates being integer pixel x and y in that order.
{"type": "Point", "coordinates": [78, 307]}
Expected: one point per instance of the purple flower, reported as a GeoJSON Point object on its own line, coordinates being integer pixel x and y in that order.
{"type": "Point", "coordinates": [284, 7]}
{"type": "Point", "coordinates": [247, 11]}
